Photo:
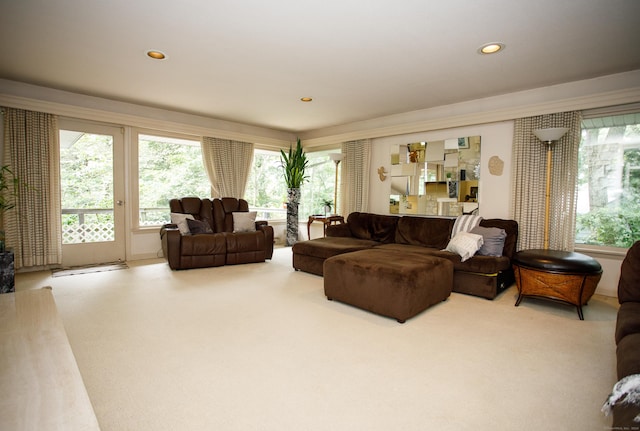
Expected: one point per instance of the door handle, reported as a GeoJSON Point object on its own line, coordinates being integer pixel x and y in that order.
{"type": "Point", "coordinates": [119, 203]}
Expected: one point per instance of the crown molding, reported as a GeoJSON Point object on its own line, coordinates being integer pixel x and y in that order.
{"type": "Point", "coordinates": [127, 114]}
{"type": "Point", "coordinates": [547, 100]}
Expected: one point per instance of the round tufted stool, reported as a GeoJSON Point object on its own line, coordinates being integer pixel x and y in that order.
{"type": "Point", "coordinates": [563, 276]}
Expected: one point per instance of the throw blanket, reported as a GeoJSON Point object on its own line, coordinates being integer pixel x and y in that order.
{"type": "Point", "coordinates": [626, 391]}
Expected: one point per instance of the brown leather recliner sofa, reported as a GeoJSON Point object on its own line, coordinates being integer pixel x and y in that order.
{"type": "Point", "coordinates": [624, 399]}
{"type": "Point", "coordinates": [484, 276]}
{"type": "Point", "coordinates": [220, 245]}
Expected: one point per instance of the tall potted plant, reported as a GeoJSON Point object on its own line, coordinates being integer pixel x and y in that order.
{"type": "Point", "coordinates": [294, 164]}
{"type": "Point", "coordinates": [9, 184]}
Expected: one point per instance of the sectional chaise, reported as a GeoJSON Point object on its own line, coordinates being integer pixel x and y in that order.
{"type": "Point", "coordinates": [399, 265]}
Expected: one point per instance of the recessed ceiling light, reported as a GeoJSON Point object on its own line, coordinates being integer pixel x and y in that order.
{"type": "Point", "coordinates": [306, 99]}
{"type": "Point", "coordinates": [491, 48]}
{"type": "Point", "coordinates": [156, 55]}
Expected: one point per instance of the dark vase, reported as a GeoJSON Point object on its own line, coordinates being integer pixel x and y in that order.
{"type": "Point", "coordinates": [293, 196]}
{"type": "Point", "coordinates": [7, 273]}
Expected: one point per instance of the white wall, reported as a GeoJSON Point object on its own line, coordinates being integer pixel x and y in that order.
{"type": "Point", "coordinates": [608, 285]}
{"type": "Point", "coordinates": [494, 191]}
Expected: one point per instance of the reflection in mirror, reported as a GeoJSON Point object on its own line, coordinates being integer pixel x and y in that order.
{"type": "Point", "coordinates": [436, 177]}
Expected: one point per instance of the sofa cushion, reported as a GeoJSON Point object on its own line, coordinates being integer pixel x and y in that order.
{"type": "Point", "coordinates": [630, 276]}
{"type": "Point", "coordinates": [628, 352]}
{"type": "Point", "coordinates": [331, 246]}
{"type": "Point", "coordinates": [424, 231]}
{"type": "Point", "coordinates": [478, 264]}
{"type": "Point", "coordinates": [465, 244]}
{"type": "Point", "coordinates": [244, 221]}
{"type": "Point", "coordinates": [198, 227]}
{"type": "Point", "coordinates": [374, 227]}
{"type": "Point", "coordinates": [492, 240]}
{"type": "Point", "coordinates": [203, 245]}
{"type": "Point", "coordinates": [223, 209]}
{"type": "Point", "coordinates": [628, 320]}
{"type": "Point", "coordinates": [200, 209]}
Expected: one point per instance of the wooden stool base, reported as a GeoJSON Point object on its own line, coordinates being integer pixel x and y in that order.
{"type": "Point", "coordinates": [572, 289]}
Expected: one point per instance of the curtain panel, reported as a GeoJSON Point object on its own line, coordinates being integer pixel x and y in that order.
{"type": "Point", "coordinates": [32, 151]}
{"type": "Point", "coordinates": [228, 164]}
{"type": "Point", "coordinates": [355, 176]}
{"type": "Point", "coordinates": [529, 173]}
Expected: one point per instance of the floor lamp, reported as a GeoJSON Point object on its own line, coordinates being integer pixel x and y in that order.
{"type": "Point", "coordinates": [337, 158]}
{"type": "Point", "coordinates": [549, 137]}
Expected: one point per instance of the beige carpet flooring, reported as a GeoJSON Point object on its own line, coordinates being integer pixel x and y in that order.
{"type": "Point", "coordinates": [258, 347]}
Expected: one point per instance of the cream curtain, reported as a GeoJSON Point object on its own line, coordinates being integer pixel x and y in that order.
{"type": "Point", "coordinates": [228, 164]}
{"type": "Point", "coordinates": [31, 150]}
{"type": "Point", "coordinates": [529, 173]}
{"type": "Point", "coordinates": [355, 176]}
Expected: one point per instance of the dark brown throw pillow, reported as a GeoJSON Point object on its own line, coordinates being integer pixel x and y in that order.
{"type": "Point", "coordinates": [197, 226]}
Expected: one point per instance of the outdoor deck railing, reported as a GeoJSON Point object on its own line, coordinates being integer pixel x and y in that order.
{"type": "Point", "coordinates": [96, 224]}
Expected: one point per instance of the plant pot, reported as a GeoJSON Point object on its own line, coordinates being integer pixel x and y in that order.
{"type": "Point", "coordinates": [7, 272]}
{"type": "Point", "coordinates": [293, 196]}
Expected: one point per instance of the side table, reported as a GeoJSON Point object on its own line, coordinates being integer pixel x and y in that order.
{"type": "Point", "coordinates": [563, 276]}
{"type": "Point", "coordinates": [326, 220]}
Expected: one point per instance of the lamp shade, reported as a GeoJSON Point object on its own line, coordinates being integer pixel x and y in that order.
{"type": "Point", "coordinates": [336, 157]}
{"type": "Point", "coordinates": [550, 134]}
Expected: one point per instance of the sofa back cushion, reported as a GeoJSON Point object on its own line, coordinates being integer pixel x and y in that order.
{"type": "Point", "coordinates": [223, 209]}
{"type": "Point", "coordinates": [629, 282]}
{"type": "Point", "coordinates": [375, 227]}
{"type": "Point", "coordinates": [200, 209]}
{"type": "Point", "coordinates": [432, 232]}
{"type": "Point", "coordinates": [511, 228]}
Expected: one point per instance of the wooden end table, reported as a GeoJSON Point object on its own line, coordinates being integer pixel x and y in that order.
{"type": "Point", "coordinates": [326, 220]}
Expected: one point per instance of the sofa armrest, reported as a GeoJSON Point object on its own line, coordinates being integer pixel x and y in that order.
{"type": "Point", "coordinates": [260, 223]}
{"type": "Point", "coordinates": [264, 227]}
{"type": "Point", "coordinates": [171, 244]}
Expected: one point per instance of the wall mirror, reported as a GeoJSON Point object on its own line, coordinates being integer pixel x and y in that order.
{"type": "Point", "coordinates": [436, 177]}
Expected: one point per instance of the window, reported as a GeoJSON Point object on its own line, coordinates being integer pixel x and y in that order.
{"type": "Point", "coordinates": [608, 206]}
{"type": "Point", "coordinates": [319, 187]}
{"type": "Point", "coordinates": [266, 189]}
{"type": "Point", "coordinates": [168, 168]}
{"type": "Point", "coordinates": [86, 185]}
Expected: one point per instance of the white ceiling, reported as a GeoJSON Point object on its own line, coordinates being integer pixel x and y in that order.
{"type": "Point", "coordinates": [251, 61]}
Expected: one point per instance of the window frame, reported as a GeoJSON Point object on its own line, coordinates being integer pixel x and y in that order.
{"type": "Point", "coordinates": [134, 152]}
{"type": "Point", "coordinates": [605, 250]}
{"type": "Point", "coordinates": [311, 154]}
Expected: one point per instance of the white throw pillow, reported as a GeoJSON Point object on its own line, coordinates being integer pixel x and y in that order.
{"type": "Point", "coordinates": [181, 220]}
{"type": "Point", "coordinates": [244, 221]}
{"type": "Point", "coordinates": [465, 244]}
{"type": "Point", "coordinates": [465, 223]}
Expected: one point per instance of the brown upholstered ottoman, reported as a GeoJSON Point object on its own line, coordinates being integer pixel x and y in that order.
{"type": "Point", "coordinates": [388, 283]}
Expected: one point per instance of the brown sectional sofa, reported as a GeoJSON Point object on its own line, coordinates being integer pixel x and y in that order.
{"type": "Point", "coordinates": [484, 276]}
{"type": "Point", "coordinates": [627, 338]}
{"type": "Point", "coordinates": [220, 245]}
